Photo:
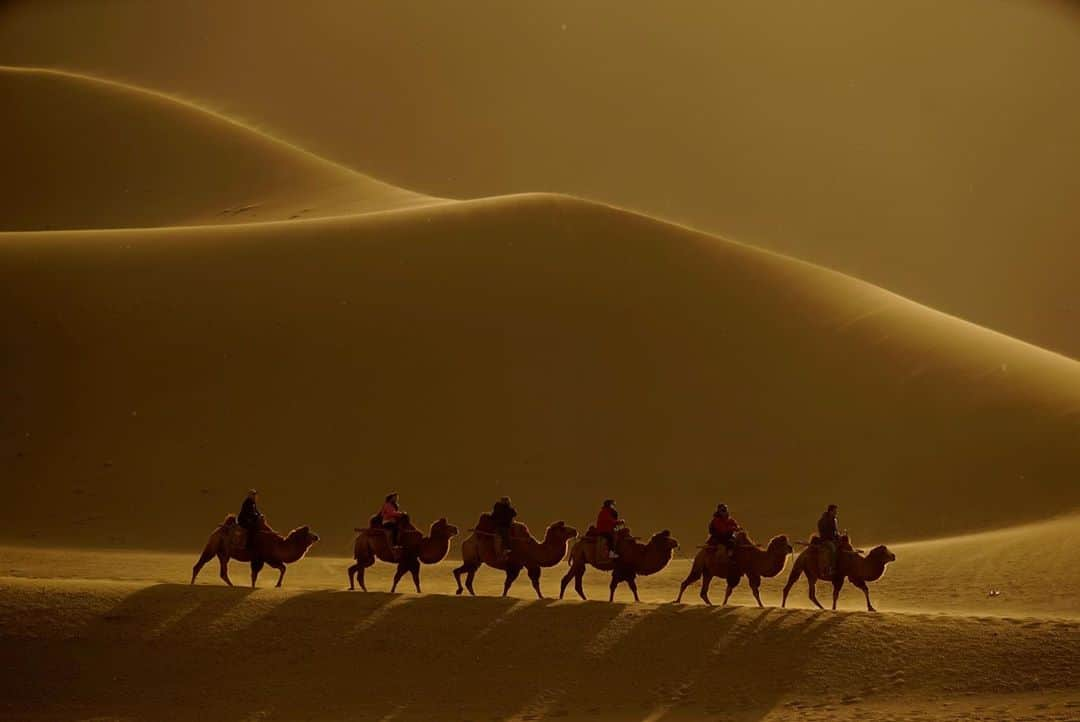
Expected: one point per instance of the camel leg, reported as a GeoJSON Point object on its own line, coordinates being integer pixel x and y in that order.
{"type": "Point", "coordinates": [511, 575]}
{"type": "Point", "coordinates": [469, 580]}
{"type": "Point", "coordinates": [223, 559]}
{"type": "Point", "coordinates": [706, 580]}
{"type": "Point", "coordinates": [615, 579]}
{"type": "Point", "coordinates": [565, 581]}
{"type": "Point", "coordinates": [207, 555]}
{"type": "Point", "coordinates": [576, 572]}
{"type": "Point", "coordinates": [811, 581]}
{"type": "Point", "coordinates": [866, 591]}
{"type": "Point", "coordinates": [577, 582]}
{"type": "Point", "coordinates": [415, 572]}
{"type": "Point", "coordinates": [731, 584]}
{"type": "Point", "coordinates": [755, 587]}
{"type": "Point", "coordinates": [632, 583]}
{"type": "Point", "coordinates": [837, 585]}
{"type": "Point", "coordinates": [457, 578]}
{"type": "Point", "coordinates": [470, 571]}
{"type": "Point", "coordinates": [256, 567]}
{"type": "Point", "coordinates": [534, 577]}
{"type": "Point", "coordinates": [793, 577]}
{"type": "Point", "coordinates": [280, 566]}
{"type": "Point", "coordinates": [694, 575]}
{"type": "Point", "coordinates": [401, 570]}
{"type": "Point", "coordinates": [352, 573]}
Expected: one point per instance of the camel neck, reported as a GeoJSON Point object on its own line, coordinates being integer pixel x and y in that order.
{"type": "Point", "coordinates": [872, 569]}
{"type": "Point", "coordinates": [654, 559]}
{"type": "Point", "coordinates": [550, 552]}
{"type": "Point", "coordinates": [291, 550]}
{"type": "Point", "coordinates": [773, 562]}
{"type": "Point", "coordinates": [433, 549]}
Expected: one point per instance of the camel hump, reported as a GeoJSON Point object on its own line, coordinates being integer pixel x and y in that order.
{"type": "Point", "coordinates": [485, 523]}
{"type": "Point", "coordinates": [230, 520]}
{"type": "Point", "coordinates": [591, 533]}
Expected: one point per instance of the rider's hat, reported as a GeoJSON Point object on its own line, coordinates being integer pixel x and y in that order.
{"type": "Point", "coordinates": [253, 492]}
{"type": "Point", "coordinates": [722, 508]}
{"type": "Point", "coordinates": [391, 495]}
{"type": "Point", "coordinates": [609, 502]}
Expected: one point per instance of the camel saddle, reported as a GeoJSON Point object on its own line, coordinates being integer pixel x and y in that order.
{"type": "Point", "coordinates": [375, 524]}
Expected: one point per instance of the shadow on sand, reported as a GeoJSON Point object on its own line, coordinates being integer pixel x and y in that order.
{"type": "Point", "coordinates": [179, 652]}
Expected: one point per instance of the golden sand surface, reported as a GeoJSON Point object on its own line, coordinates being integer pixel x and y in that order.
{"type": "Point", "coordinates": [197, 307]}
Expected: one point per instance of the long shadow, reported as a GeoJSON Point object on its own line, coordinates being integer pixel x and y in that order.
{"type": "Point", "coordinates": [177, 652]}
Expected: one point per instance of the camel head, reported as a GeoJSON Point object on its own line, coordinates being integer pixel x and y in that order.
{"type": "Point", "coordinates": [664, 540]}
{"type": "Point", "coordinates": [781, 544]}
{"type": "Point", "coordinates": [442, 529]}
{"type": "Point", "coordinates": [303, 536]}
{"type": "Point", "coordinates": [560, 532]}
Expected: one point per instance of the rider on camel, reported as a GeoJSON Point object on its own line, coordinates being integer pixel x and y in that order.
{"type": "Point", "coordinates": [502, 515]}
{"type": "Point", "coordinates": [390, 517]}
{"type": "Point", "coordinates": [722, 529]}
{"type": "Point", "coordinates": [250, 518]}
{"type": "Point", "coordinates": [828, 528]}
{"type": "Point", "coordinates": [607, 521]}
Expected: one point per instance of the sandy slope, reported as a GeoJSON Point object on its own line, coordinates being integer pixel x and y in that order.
{"type": "Point", "coordinates": [128, 651]}
{"type": "Point", "coordinates": [925, 146]}
{"type": "Point", "coordinates": [1027, 565]}
{"type": "Point", "coordinates": [539, 346]}
{"type": "Point", "coordinates": [118, 635]}
{"type": "Point", "coordinates": [80, 152]}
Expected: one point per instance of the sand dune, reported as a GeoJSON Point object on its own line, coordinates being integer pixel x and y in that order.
{"type": "Point", "coordinates": [552, 349]}
{"type": "Point", "coordinates": [924, 146]}
{"type": "Point", "coordinates": [80, 152]}
{"type": "Point", "coordinates": [541, 346]}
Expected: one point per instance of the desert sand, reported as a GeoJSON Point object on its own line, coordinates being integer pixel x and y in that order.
{"type": "Point", "coordinates": [119, 635]}
{"type": "Point", "coordinates": [164, 351]}
{"type": "Point", "coordinates": [928, 147]}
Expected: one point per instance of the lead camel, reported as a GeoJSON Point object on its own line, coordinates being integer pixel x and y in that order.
{"type": "Point", "coordinates": [850, 565]}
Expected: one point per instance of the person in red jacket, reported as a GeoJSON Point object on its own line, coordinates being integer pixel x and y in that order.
{"type": "Point", "coordinates": [607, 521]}
{"type": "Point", "coordinates": [390, 515]}
{"type": "Point", "coordinates": [723, 528]}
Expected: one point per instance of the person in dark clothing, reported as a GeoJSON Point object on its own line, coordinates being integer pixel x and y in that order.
{"type": "Point", "coordinates": [502, 514]}
{"type": "Point", "coordinates": [723, 528]}
{"type": "Point", "coordinates": [828, 527]}
{"type": "Point", "coordinates": [250, 518]}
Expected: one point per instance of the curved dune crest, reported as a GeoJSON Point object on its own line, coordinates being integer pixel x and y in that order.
{"type": "Point", "coordinates": [551, 349]}
{"type": "Point", "coordinates": [81, 152]}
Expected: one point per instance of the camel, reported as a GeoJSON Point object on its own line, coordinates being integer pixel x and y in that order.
{"type": "Point", "coordinates": [373, 543]}
{"type": "Point", "coordinates": [229, 541]}
{"type": "Point", "coordinates": [749, 559]}
{"type": "Point", "coordinates": [634, 559]}
{"type": "Point", "coordinates": [525, 552]}
{"type": "Point", "coordinates": [850, 565]}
